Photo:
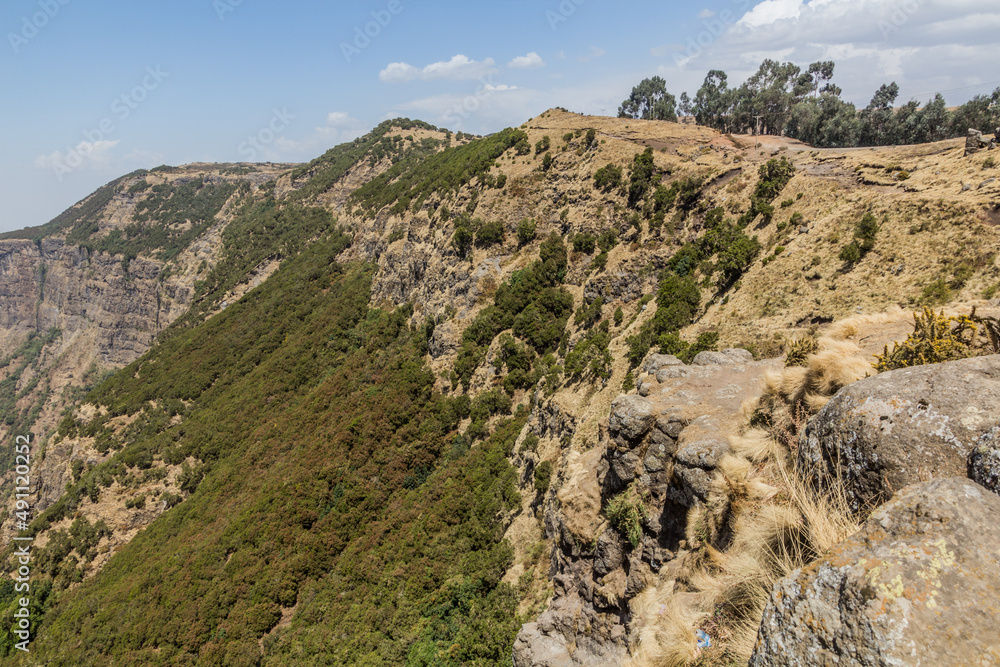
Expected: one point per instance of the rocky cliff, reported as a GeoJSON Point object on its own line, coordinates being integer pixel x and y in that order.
{"type": "Point", "coordinates": [533, 282]}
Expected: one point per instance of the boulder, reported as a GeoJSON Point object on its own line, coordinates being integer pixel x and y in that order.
{"type": "Point", "coordinates": [918, 585]}
{"type": "Point", "coordinates": [974, 142]}
{"type": "Point", "coordinates": [728, 356]}
{"type": "Point", "coordinates": [885, 432]}
{"type": "Point", "coordinates": [631, 417]}
{"type": "Point", "coordinates": [657, 361]}
{"type": "Point", "coordinates": [984, 461]}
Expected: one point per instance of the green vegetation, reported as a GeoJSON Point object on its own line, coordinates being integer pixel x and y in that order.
{"type": "Point", "coordinates": [649, 100]}
{"type": "Point", "coordinates": [608, 177]}
{"type": "Point", "coordinates": [785, 99]}
{"type": "Point", "coordinates": [326, 170]}
{"type": "Point", "coordinates": [937, 338]}
{"type": "Point", "coordinates": [641, 178]}
{"type": "Point", "coordinates": [774, 175]}
{"type": "Point", "coordinates": [543, 474]}
{"type": "Point", "coordinates": [525, 232]}
{"type": "Point", "coordinates": [12, 391]}
{"type": "Point", "coordinates": [627, 513]}
{"type": "Point", "coordinates": [329, 475]}
{"type": "Point", "coordinates": [864, 240]}
{"type": "Point", "coordinates": [415, 179]}
{"type": "Point", "coordinates": [531, 303]}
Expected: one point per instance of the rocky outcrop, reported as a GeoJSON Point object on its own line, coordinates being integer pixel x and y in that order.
{"type": "Point", "coordinates": [664, 446]}
{"type": "Point", "coordinates": [918, 585]}
{"type": "Point", "coordinates": [984, 461]}
{"type": "Point", "coordinates": [900, 427]}
{"type": "Point", "coordinates": [974, 142]}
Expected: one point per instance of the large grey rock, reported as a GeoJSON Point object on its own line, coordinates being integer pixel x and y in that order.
{"type": "Point", "coordinates": [657, 361]}
{"type": "Point", "coordinates": [918, 585]}
{"type": "Point", "coordinates": [885, 432]}
{"type": "Point", "coordinates": [609, 553]}
{"type": "Point", "coordinates": [631, 416]}
{"type": "Point", "coordinates": [728, 356]}
{"type": "Point", "coordinates": [974, 142]}
{"type": "Point", "coordinates": [984, 461]}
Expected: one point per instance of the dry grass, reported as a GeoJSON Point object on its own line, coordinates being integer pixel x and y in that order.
{"type": "Point", "coordinates": [761, 521]}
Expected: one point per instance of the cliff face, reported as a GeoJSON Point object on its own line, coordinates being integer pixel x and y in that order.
{"type": "Point", "coordinates": [584, 447]}
{"type": "Point", "coordinates": [55, 285]}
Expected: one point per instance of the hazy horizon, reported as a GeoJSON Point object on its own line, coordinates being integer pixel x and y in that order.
{"type": "Point", "coordinates": [101, 91]}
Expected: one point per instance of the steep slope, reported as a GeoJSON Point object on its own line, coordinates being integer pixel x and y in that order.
{"type": "Point", "coordinates": [380, 433]}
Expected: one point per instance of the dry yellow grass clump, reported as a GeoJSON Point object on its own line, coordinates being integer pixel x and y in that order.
{"type": "Point", "coordinates": [761, 522]}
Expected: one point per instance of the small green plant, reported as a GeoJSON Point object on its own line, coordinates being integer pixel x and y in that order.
{"type": "Point", "coordinates": [525, 232]}
{"type": "Point", "coordinates": [936, 292]}
{"type": "Point", "coordinates": [938, 338]}
{"type": "Point", "coordinates": [619, 316]}
{"type": "Point", "coordinates": [799, 349]}
{"type": "Point", "coordinates": [627, 513]}
{"type": "Point", "coordinates": [543, 475]}
{"type": "Point", "coordinates": [989, 163]}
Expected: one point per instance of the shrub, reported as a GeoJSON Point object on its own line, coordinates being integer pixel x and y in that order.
{"type": "Point", "coordinates": [547, 162]}
{"type": "Point", "coordinates": [542, 145]}
{"type": "Point", "coordinates": [619, 316]}
{"type": "Point", "coordinates": [462, 239]}
{"type": "Point", "coordinates": [626, 513]}
{"type": "Point", "coordinates": [641, 177]}
{"type": "Point", "coordinates": [989, 163]}
{"type": "Point", "coordinates": [936, 292]}
{"type": "Point", "coordinates": [490, 233]}
{"type": "Point", "coordinates": [591, 137]}
{"type": "Point", "coordinates": [937, 338]}
{"type": "Point", "coordinates": [608, 177]}
{"type": "Point", "coordinates": [585, 242]}
{"type": "Point", "coordinates": [525, 232]}
{"type": "Point", "coordinates": [543, 475]}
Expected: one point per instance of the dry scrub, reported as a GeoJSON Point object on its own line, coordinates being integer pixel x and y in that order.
{"type": "Point", "coordinates": [761, 522]}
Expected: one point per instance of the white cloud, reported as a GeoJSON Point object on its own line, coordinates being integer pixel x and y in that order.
{"type": "Point", "coordinates": [339, 127]}
{"type": "Point", "coordinates": [706, 14]}
{"type": "Point", "coordinates": [530, 61]}
{"type": "Point", "coordinates": [94, 155]}
{"type": "Point", "coordinates": [921, 44]}
{"type": "Point", "coordinates": [771, 11]}
{"type": "Point", "coordinates": [593, 53]}
{"type": "Point", "coordinates": [459, 68]}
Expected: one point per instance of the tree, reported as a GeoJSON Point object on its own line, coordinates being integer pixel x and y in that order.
{"type": "Point", "coordinates": [685, 105]}
{"type": "Point", "coordinates": [877, 118]}
{"type": "Point", "coordinates": [650, 101]}
{"type": "Point", "coordinates": [713, 100]}
{"type": "Point", "coordinates": [764, 100]}
{"type": "Point", "coordinates": [982, 113]}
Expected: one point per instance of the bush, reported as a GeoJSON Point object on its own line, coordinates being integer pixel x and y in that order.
{"type": "Point", "coordinates": [525, 232]}
{"type": "Point", "coordinates": [543, 475]}
{"type": "Point", "coordinates": [608, 177]}
{"type": "Point", "coordinates": [626, 513]}
{"type": "Point", "coordinates": [489, 233]}
{"type": "Point", "coordinates": [542, 145]}
{"type": "Point", "coordinates": [462, 239]}
{"type": "Point", "coordinates": [641, 177]}
{"type": "Point", "coordinates": [937, 338]}
{"type": "Point", "coordinates": [585, 242]}
{"type": "Point", "coordinates": [619, 316]}
{"type": "Point", "coordinates": [547, 162]}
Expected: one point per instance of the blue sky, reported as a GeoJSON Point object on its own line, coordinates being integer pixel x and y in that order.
{"type": "Point", "coordinates": [96, 89]}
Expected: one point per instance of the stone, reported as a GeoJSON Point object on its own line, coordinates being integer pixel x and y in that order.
{"type": "Point", "coordinates": [986, 182]}
{"type": "Point", "coordinates": [608, 554]}
{"type": "Point", "coordinates": [657, 361]}
{"type": "Point", "coordinates": [691, 486]}
{"type": "Point", "coordinates": [671, 425]}
{"type": "Point", "coordinates": [710, 359]}
{"type": "Point", "coordinates": [885, 432]}
{"type": "Point", "coordinates": [631, 416]}
{"type": "Point", "coordinates": [726, 357]}
{"type": "Point", "coordinates": [974, 142]}
{"type": "Point", "coordinates": [703, 453]}
{"type": "Point", "coordinates": [672, 372]}
{"type": "Point", "coordinates": [918, 585]}
{"type": "Point", "coordinates": [984, 461]}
